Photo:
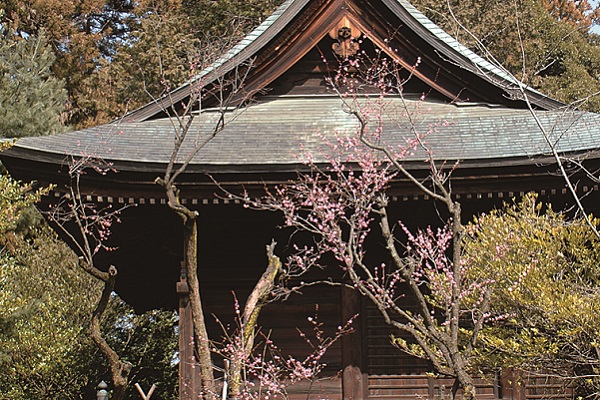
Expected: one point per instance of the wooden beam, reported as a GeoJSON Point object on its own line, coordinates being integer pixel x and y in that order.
{"type": "Point", "coordinates": [354, 373]}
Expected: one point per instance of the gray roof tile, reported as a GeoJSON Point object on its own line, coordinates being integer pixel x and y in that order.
{"type": "Point", "coordinates": [272, 132]}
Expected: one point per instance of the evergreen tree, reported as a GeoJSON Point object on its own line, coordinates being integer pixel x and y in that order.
{"type": "Point", "coordinates": [32, 98]}
{"type": "Point", "coordinates": [173, 40]}
{"type": "Point", "coordinates": [94, 42]}
{"type": "Point", "coordinates": [579, 13]}
{"type": "Point", "coordinates": [83, 36]}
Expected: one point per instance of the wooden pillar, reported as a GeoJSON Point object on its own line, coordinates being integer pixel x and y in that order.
{"type": "Point", "coordinates": [430, 388]}
{"type": "Point", "coordinates": [354, 374]}
{"type": "Point", "coordinates": [189, 381]}
{"type": "Point", "coordinates": [513, 385]}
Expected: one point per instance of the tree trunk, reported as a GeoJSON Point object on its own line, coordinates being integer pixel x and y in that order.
{"type": "Point", "coordinates": [254, 304]}
{"type": "Point", "coordinates": [119, 370]}
{"type": "Point", "coordinates": [201, 340]}
{"type": "Point", "coordinates": [464, 379]}
{"type": "Point", "coordinates": [190, 254]}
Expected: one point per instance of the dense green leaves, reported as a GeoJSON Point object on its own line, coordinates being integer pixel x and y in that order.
{"type": "Point", "coordinates": [83, 34]}
{"type": "Point", "coordinates": [546, 275]}
{"type": "Point", "coordinates": [115, 55]}
{"type": "Point", "coordinates": [44, 306]}
{"type": "Point", "coordinates": [223, 17]}
{"type": "Point", "coordinates": [46, 302]}
{"type": "Point", "coordinates": [173, 41]}
{"type": "Point", "coordinates": [43, 301]}
{"type": "Point", "coordinates": [159, 60]}
{"type": "Point", "coordinates": [149, 342]}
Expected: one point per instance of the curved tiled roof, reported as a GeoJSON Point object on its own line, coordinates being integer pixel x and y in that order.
{"type": "Point", "coordinates": [448, 40]}
{"type": "Point", "coordinates": [242, 51]}
{"type": "Point", "coordinates": [270, 134]}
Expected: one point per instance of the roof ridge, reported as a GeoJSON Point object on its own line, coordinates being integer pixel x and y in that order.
{"type": "Point", "coordinates": [248, 39]}
{"type": "Point", "coordinates": [454, 43]}
{"type": "Point", "coordinates": [446, 45]}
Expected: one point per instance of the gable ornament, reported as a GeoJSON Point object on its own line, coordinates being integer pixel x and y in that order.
{"type": "Point", "coordinates": [345, 34]}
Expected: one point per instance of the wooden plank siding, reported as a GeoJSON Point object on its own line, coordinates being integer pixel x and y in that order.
{"type": "Point", "coordinates": [382, 357]}
{"type": "Point", "coordinates": [423, 386]}
{"type": "Point", "coordinates": [535, 387]}
{"type": "Point", "coordinates": [325, 388]}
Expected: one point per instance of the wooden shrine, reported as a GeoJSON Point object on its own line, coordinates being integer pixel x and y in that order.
{"type": "Point", "coordinates": [490, 132]}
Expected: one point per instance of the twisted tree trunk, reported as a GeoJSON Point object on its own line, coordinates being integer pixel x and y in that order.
{"type": "Point", "coordinates": [119, 370]}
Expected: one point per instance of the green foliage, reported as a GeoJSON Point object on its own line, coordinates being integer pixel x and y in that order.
{"type": "Point", "coordinates": [149, 342]}
{"type": "Point", "coordinates": [43, 301]}
{"type": "Point", "coordinates": [45, 307]}
{"type": "Point", "coordinates": [31, 99]}
{"type": "Point", "coordinates": [159, 60]}
{"type": "Point", "coordinates": [173, 41]}
{"type": "Point", "coordinates": [115, 55]}
{"type": "Point", "coordinates": [46, 302]}
{"type": "Point", "coordinates": [14, 198]}
{"type": "Point", "coordinates": [546, 275]}
{"type": "Point", "coordinates": [82, 34]}
{"type": "Point", "coordinates": [219, 18]}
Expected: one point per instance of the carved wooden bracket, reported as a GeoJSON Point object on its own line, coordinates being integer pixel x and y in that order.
{"type": "Point", "coordinates": [346, 34]}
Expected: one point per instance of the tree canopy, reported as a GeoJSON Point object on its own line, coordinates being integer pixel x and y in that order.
{"type": "Point", "coordinates": [45, 307]}
{"type": "Point", "coordinates": [580, 14]}
{"type": "Point", "coordinates": [115, 55]}
{"type": "Point", "coordinates": [40, 308]}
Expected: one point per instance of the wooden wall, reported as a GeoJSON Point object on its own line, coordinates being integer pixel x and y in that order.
{"type": "Point", "coordinates": [232, 257]}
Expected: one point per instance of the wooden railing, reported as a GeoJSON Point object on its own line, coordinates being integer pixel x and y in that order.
{"type": "Point", "coordinates": [509, 387]}
{"type": "Point", "coordinates": [421, 386]}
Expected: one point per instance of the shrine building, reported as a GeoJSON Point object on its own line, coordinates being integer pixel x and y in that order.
{"type": "Point", "coordinates": [489, 132]}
